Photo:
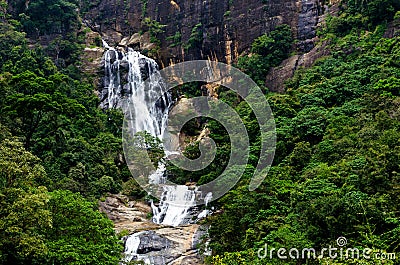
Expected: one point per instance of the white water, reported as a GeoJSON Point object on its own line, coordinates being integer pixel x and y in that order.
{"type": "Point", "coordinates": [175, 206]}
{"type": "Point", "coordinates": [144, 117]}
{"type": "Point", "coordinates": [205, 212]}
{"type": "Point", "coordinates": [132, 243]}
{"type": "Point", "coordinates": [125, 73]}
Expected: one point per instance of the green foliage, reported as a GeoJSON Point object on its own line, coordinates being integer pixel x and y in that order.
{"type": "Point", "coordinates": [3, 9]}
{"type": "Point", "coordinates": [153, 146]}
{"type": "Point", "coordinates": [65, 51]}
{"type": "Point", "coordinates": [10, 40]}
{"type": "Point", "coordinates": [389, 86]}
{"type": "Point", "coordinates": [80, 234]}
{"type": "Point", "coordinates": [356, 15]}
{"type": "Point", "coordinates": [86, 5]}
{"type": "Point", "coordinates": [175, 39]}
{"type": "Point", "coordinates": [336, 170]}
{"type": "Point", "coordinates": [19, 168]}
{"type": "Point", "coordinates": [144, 8]}
{"type": "Point", "coordinates": [58, 119]}
{"type": "Point", "coordinates": [196, 38]}
{"type": "Point", "coordinates": [192, 151]}
{"type": "Point", "coordinates": [24, 220]}
{"type": "Point", "coordinates": [375, 10]}
{"type": "Point", "coordinates": [336, 166]}
{"type": "Point", "coordinates": [277, 42]}
{"type": "Point", "coordinates": [38, 227]}
{"type": "Point", "coordinates": [397, 15]}
{"type": "Point", "coordinates": [155, 28]}
{"type": "Point", "coordinates": [50, 16]}
{"type": "Point", "coordinates": [58, 20]}
{"type": "Point", "coordinates": [267, 51]}
{"type": "Point", "coordinates": [23, 206]}
{"type": "Point", "coordinates": [133, 189]}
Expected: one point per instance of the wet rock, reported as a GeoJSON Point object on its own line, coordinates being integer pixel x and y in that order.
{"type": "Point", "coordinates": [126, 90]}
{"type": "Point", "coordinates": [113, 56]}
{"type": "Point", "coordinates": [150, 241]}
{"type": "Point", "coordinates": [144, 68]}
{"type": "Point", "coordinates": [159, 244]}
{"type": "Point", "coordinates": [306, 25]}
{"type": "Point", "coordinates": [393, 29]}
{"type": "Point", "coordinates": [124, 65]}
{"type": "Point", "coordinates": [91, 56]}
{"type": "Point", "coordinates": [124, 42]}
{"type": "Point", "coordinates": [119, 66]}
{"type": "Point", "coordinates": [311, 16]}
{"type": "Point", "coordinates": [278, 75]}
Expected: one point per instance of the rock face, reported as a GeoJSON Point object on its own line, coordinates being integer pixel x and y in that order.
{"type": "Point", "coordinates": [278, 75]}
{"type": "Point", "coordinates": [311, 16]}
{"type": "Point", "coordinates": [150, 241]}
{"type": "Point", "coordinates": [306, 24]}
{"type": "Point", "coordinates": [161, 244]}
{"type": "Point", "coordinates": [200, 29]}
{"type": "Point", "coordinates": [127, 215]}
{"type": "Point", "coordinates": [393, 29]}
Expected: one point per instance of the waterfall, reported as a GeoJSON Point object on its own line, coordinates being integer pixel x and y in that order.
{"type": "Point", "coordinates": [125, 73]}
{"type": "Point", "coordinates": [175, 206]}
{"type": "Point", "coordinates": [132, 243]}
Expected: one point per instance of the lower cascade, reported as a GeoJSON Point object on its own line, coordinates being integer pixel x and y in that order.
{"type": "Point", "coordinates": [125, 73]}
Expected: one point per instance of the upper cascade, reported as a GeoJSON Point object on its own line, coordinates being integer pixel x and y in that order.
{"type": "Point", "coordinates": [125, 73]}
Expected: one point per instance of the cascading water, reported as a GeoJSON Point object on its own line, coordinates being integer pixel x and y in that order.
{"type": "Point", "coordinates": [125, 72]}
{"type": "Point", "coordinates": [124, 77]}
{"type": "Point", "coordinates": [134, 67]}
{"type": "Point", "coordinates": [175, 206]}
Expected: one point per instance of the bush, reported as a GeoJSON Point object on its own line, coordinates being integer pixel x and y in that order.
{"type": "Point", "coordinates": [267, 51]}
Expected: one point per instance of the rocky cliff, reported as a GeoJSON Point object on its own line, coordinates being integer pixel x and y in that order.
{"type": "Point", "coordinates": [180, 30]}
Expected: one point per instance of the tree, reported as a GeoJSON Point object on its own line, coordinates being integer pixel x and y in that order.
{"type": "Point", "coordinates": [80, 234]}
{"type": "Point", "coordinates": [51, 16]}
{"type": "Point", "coordinates": [24, 216]}
{"type": "Point", "coordinates": [38, 101]}
{"type": "Point", "coordinates": [9, 38]}
{"type": "Point", "coordinates": [267, 51]}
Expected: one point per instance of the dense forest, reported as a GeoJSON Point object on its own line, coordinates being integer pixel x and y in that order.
{"type": "Point", "coordinates": [335, 172]}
